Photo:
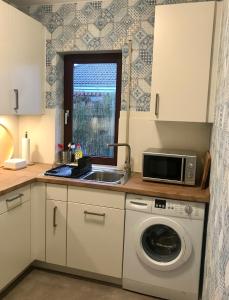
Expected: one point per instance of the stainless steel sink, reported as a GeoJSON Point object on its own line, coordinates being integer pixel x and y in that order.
{"type": "Point", "coordinates": [106, 176]}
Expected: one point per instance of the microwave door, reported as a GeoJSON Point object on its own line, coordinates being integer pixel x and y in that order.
{"type": "Point", "coordinates": [163, 168]}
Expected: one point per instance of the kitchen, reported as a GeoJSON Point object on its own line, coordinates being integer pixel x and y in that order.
{"type": "Point", "coordinates": [189, 133]}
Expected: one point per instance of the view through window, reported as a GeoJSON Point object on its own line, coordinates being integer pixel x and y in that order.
{"type": "Point", "coordinates": [92, 95]}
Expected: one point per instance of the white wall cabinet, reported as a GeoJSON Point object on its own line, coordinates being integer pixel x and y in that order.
{"type": "Point", "coordinates": [15, 234]}
{"type": "Point", "coordinates": [4, 59]}
{"type": "Point", "coordinates": [22, 58]}
{"type": "Point", "coordinates": [182, 61]}
{"type": "Point", "coordinates": [95, 232]}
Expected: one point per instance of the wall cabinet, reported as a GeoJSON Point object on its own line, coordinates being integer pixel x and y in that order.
{"type": "Point", "coordinates": [22, 60]}
{"type": "Point", "coordinates": [185, 44]}
{"type": "Point", "coordinates": [95, 232]}
{"type": "Point", "coordinates": [15, 234]}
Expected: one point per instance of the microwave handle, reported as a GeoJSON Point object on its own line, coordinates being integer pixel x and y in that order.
{"type": "Point", "coordinates": [182, 170]}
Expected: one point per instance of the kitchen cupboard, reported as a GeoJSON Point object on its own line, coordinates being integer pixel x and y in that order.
{"type": "Point", "coordinates": [38, 218]}
{"type": "Point", "coordinates": [95, 231]}
{"type": "Point", "coordinates": [22, 59]}
{"type": "Point", "coordinates": [185, 61]}
{"type": "Point", "coordinates": [15, 234]}
{"type": "Point", "coordinates": [56, 224]}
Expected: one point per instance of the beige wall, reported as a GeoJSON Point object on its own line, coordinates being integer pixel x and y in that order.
{"type": "Point", "coordinates": [144, 133]}
{"type": "Point", "coordinates": [41, 131]}
{"type": "Point", "coordinates": [11, 123]}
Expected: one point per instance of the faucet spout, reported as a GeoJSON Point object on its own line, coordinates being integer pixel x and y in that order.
{"type": "Point", "coordinates": [127, 166]}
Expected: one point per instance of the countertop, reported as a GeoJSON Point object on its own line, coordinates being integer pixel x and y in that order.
{"type": "Point", "coordinates": [11, 180]}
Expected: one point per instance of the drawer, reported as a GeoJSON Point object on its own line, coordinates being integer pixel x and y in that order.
{"type": "Point", "coordinates": [56, 192]}
{"type": "Point", "coordinates": [96, 197]}
{"type": "Point", "coordinates": [14, 198]}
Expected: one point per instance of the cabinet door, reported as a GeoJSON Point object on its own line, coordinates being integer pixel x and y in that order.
{"type": "Point", "coordinates": [95, 239]}
{"type": "Point", "coordinates": [27, 60]}
{"type": "Point", "coordinates": [15, 242]}
{"type": "Point", "coordinates": [4, 61]}
{"type": "Point", "coordinates": [56, 232]}
{"type": "Point", "coordinates": [181, 61]}
{"type": "Point", "coordinates": [38, 203]}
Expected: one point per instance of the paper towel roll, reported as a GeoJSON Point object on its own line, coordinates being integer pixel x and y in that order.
{"type": "Point", "coordinates": [25, 149]}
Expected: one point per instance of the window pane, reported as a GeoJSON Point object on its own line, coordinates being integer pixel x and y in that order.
{"type": "Point", "coordinates": [94, 103]}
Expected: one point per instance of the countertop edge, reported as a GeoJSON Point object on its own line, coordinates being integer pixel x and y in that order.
{"type": "Point", "coordinates": [134, 186]}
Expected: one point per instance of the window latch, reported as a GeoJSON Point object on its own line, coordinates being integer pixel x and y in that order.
{"type": "Point", "coordinates": [66, 116]}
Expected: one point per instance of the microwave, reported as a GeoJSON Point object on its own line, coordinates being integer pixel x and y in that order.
{"type": "Point", "coordinates": [172, 166]}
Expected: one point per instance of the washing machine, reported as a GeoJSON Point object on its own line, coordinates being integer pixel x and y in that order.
{"type": "Point", "coordinates": [162, 247]}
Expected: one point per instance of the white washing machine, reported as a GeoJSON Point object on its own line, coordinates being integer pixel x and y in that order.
{"type": "Point", "coordinates": [162, 249]}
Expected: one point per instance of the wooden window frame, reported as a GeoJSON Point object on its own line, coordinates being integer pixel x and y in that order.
{"type": "Point", "coordinates": [69, 61]}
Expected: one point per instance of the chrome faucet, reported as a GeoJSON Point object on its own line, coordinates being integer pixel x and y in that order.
{"type": "Point", "coordinates": [127, 166]}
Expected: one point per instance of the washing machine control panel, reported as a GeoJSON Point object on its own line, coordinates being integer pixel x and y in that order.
{"type": "Point", "coordinates": [165, 207]}
{"type": "Point", "coordinates": [178, 208]}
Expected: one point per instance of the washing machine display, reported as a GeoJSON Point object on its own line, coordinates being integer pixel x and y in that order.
{"type": "Point", "coordinates": [161, 243]}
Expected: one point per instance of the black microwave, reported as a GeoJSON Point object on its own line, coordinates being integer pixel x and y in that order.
{"type": "Point", "coordinates": [172, 166]}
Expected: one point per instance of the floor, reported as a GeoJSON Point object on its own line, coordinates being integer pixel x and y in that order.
{"type": "Point", "coordinates": [44, 285]}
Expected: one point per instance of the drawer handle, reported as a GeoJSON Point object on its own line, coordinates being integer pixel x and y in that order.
{"type": "Point", "coordinates": [138, 203]}
{"type": "Point", "coordinates": [94, 214]}
{"type": "Point", "coordinates": [10, 200]}
{"type": "Point", "coordinates": [14, 198]}
{"type": "Point", "coordinates": [54, 216]}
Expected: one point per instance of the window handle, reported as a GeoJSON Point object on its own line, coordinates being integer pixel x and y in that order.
{"type": "Point", "coordinates": [66, 116]}
{"type": "Point", "coordinates": [16, 100]}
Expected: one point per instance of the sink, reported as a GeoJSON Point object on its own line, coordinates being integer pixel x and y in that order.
{"type": "Point", "coordinates": [106, 176]}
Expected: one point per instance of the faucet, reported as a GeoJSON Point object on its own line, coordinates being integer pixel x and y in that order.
{"type": "Point", "coordinates": [127, 166]}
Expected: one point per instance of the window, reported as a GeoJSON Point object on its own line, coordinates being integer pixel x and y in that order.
{"type": "Point", "coordinates": [93, 98]}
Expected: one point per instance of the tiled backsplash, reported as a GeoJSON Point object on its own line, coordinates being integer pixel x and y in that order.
{"type": "Point", "coordinates": [100, 26]}
{"type": "Point", "coordinates": [216, 284]}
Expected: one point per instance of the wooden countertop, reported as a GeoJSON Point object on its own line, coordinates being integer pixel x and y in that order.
{"type": "Point", "coordinates": [11, 180]}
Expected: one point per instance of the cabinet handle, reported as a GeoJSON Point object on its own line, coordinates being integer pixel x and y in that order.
{"type": "Point", "coordinates": [16, 100]}
{"type": "Point", "coordinates": [94, 214]}
{"type": "Point", "coordinates": [14, 198]}
{"type": "Point", "coordinates": [138, 203]}
{"type": "Point", "coordinates": [54, 216]}
{"type": "Point", "coordinates": [10, 200]}
{"type": "Point", "coordinates": [157, 105]}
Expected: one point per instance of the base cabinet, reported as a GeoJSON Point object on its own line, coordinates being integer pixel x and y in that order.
{"type": "Point", "coordinates": [56, 232]}
{"type": "Point", "coordinates": [38, 208]}
{"type": "Point", "coordinates": [95, 239]}
{"type": "Point", "coordinates": [15, 235]}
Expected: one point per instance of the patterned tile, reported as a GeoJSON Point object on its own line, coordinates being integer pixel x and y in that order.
{"type": "Point", "coordinates": [50, 52]}
{"type": "Point", "coordinates": [143, 103]}
{"type": "Point", "coordinates": [51, 74]}
{"type": "Point", "coordinates": [50, 100]}
{"type": "Point", "coordinates": [216, 275]}
{"type": "Point", "coordinates": [54, 21]}
{"type": "Point", "coordinates": [137, 93]}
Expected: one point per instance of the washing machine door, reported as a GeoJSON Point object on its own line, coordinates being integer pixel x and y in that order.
{"type": "Point", "coordinates": [162, 243]}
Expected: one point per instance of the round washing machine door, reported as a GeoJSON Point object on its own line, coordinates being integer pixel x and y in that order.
{"type": "Point", "coordinates": [162, 243]}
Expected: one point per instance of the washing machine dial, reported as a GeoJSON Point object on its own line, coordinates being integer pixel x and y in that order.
{"type": "Point", "coordinates": [188, 209]}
